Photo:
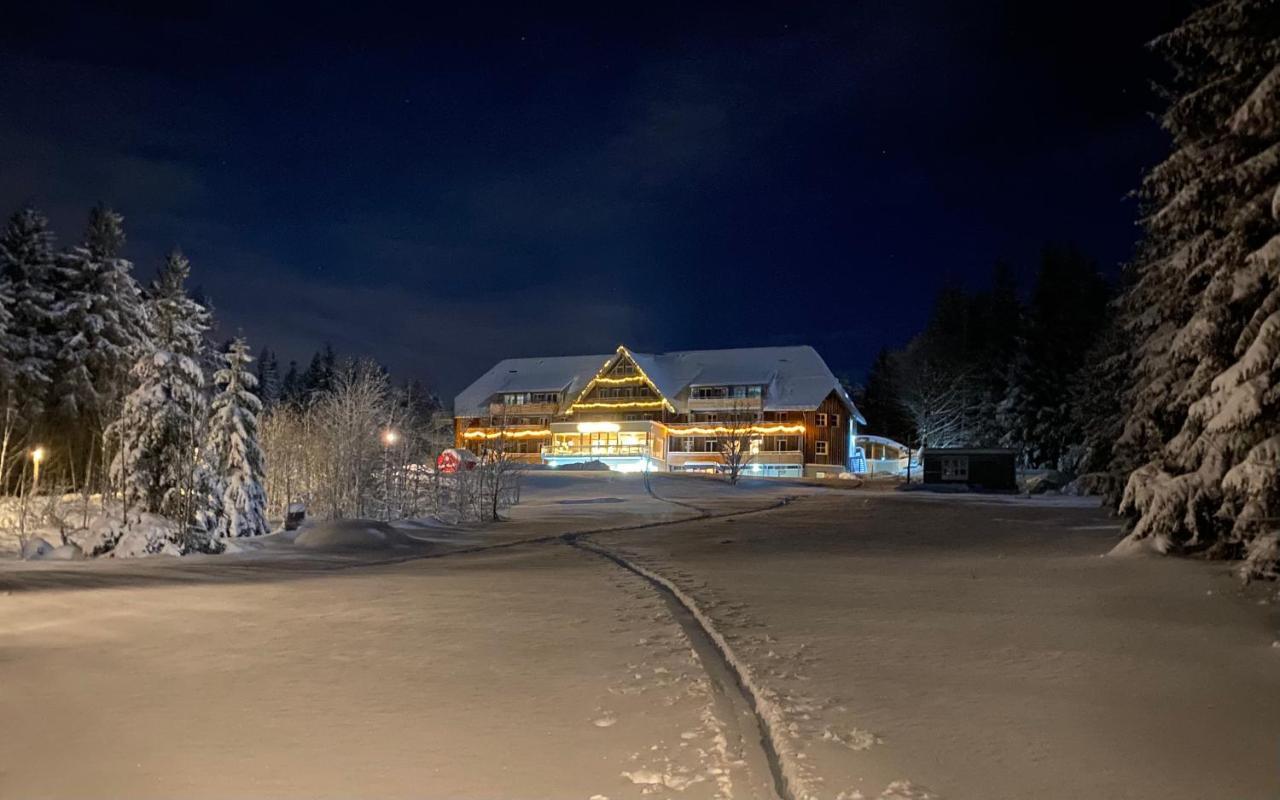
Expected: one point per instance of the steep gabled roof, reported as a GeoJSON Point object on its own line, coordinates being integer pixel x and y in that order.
{"type": "Point", "coordinates": [797, 378]}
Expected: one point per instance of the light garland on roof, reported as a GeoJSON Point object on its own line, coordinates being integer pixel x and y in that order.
{"type": "Point", "coordinates": [520, 434]}
{"type": "Point", "coordinates": [633, 379]}
{"type": "Point", "coordinates": [601, 379]}
{"type": "Point", "coordinates": [721, 430]}
{"type": "Point", "coordinates": [628, 404]}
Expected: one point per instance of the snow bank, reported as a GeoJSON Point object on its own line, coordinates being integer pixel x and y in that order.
{"type": "Point", "coordinates": [36, 548]}
{"type": "Point", "coordinates": [352, 534]}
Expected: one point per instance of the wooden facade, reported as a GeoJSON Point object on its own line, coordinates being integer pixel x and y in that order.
{"type": "Point", "coordinates": [620, 415]}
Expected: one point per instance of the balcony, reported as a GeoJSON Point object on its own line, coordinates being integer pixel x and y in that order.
{"type": "Point", "coordinates": [599, 450]}
{"type": "Point", "coordinates": [499, 410]}
{"type": "Point", "coordinates": [726, 404]}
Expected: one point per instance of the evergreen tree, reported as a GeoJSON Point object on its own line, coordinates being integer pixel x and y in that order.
{"type": "Point", "coordinates": [26, 264]}
{"type": "Point", "coordinates": [880, 400]}
{"type": "Point", "coordinates": [268, 378]}
{"type": "Point", "coordinates": [1068, 309]}
{"type": "Point", "coordinates": [999, 329]}
{"type": "Point", "coordinates": [101, 325]}
{"type": "Point", "coordinates": [319, 376]}
{"type": "Point", "coordinates": [1097, 406]}
{"type": "Point", "coordinates": [291, 386]}
{"type": "Point", "coordinates": [233, 447]}
{"type": "Point", "coordinates": [1205, 306]}
{"type": "Point", "coordinates": [159, 429]}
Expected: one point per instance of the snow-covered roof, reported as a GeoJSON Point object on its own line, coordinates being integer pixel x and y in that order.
{"type": "Point", "coordinates": [796, 378]}
{"type": "Point", "coordinates": [567, 374]}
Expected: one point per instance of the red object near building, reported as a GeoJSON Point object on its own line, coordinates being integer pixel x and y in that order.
{"type": "Point", "coordinates": [455, 459]}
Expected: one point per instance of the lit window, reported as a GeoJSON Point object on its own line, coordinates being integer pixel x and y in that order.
{"type": "Point", "coordinates": [820, 448]}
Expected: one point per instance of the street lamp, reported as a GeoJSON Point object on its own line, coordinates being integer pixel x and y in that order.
{"type": "Point", "coordinates": [37, 455]}
{"type": "Point", "coordinates": [389, 438]}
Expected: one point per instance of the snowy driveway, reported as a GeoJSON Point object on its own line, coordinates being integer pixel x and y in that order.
{"type": "Point", "coordinates": [903, 646]}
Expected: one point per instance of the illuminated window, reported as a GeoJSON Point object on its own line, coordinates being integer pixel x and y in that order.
{"type": "Point", "coordinates": [820, 448]}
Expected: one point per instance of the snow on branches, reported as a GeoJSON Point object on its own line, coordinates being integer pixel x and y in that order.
{"type": "Point", "coordinates": [233, 449]}
{"type": "Point", "coordinates": [1205, 305]}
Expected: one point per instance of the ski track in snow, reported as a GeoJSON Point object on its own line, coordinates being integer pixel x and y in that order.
{"type": "Point", "coordinates": [778, 714]}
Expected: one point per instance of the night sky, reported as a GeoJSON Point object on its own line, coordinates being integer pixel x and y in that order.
{"type": "Point", "coordinates": [440, 189]}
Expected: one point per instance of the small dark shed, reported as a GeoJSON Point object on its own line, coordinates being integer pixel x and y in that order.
{"type": "Point", "coordinates": [978, 468]}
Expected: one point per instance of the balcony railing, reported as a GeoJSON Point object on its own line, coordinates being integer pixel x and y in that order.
{"type": "Point", "coordinates": [499, 410]}
{"type": "Point", "coordinates": [725, 403]}
{"type": "Point", "coordinates": [600, 450]}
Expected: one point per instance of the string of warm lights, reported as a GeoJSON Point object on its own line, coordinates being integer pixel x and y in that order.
{"type": "Point", "coordinates": [520, 434]}
{"type": "Point", "coordinates": [631, 379]}
{"type": "Point", "coordinates": [600, 378]}
{"type": "Point", "coordinates": [627, 404]}
{"type": "Point", "coordinates": [720, 430]}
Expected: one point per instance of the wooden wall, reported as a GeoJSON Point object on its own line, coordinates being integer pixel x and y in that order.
{"type": "Point", "coordinates": [836, 436]}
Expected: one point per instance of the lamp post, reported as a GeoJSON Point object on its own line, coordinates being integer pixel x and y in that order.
{"type": "Point", "coordinates": [37, 455]}
{"type": "Point", "coordinates": [389, 438]}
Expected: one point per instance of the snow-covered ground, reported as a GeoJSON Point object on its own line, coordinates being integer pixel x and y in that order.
{"type": "Point", "coordinates": [983, 647]}
{"type": "Point", "coordinates": [894, 646]}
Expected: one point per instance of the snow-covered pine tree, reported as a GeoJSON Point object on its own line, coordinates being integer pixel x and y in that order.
{"type": "Point", "coordinates": [101, 327]}
{"type": "Point", "coordinates": [235, 454]}
{"type": "Point", "coordinates": [26, 263]}
{"type": "Point", "coordinates": [159, 429]}
{"type": "Point", "coordinates": [1206, 302]}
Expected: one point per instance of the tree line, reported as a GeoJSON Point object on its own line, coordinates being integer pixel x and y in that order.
{"type": "Point", "coordinates": [114, 390]}
{"type": "Point", "coordinates": [1168, 397]}
{"type": "Point", "coordinates": [993, 370]}
{"type": "Point", "coordinates": [112, 387]}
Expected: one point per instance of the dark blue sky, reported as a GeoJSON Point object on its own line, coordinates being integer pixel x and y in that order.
{"type": "Point", "coordinates": [440, 189]}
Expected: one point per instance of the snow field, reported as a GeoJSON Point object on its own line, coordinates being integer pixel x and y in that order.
{"type": "Point", "coordinates": [985, 649]}
{"type": "Point", "coordinates": [481, 676]}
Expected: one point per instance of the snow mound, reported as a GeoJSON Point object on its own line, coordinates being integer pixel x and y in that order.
{"type": "Point", "coordinates": [1090, 484]}
{"type": "Point", "coordinates": [36, 548]}
{"type": "Point", "coordinates": [1140, 546]}
{"type": "Point", "coordinates": [66, 552]}
{"type": "Point", "coordinates": [906, 790]}
{"type": "Point", "coordinates": [140, 542]}
{"type": "Point", "coordinates": [584, 466]}
{"type": "Point", "coordinates": [352, 534]}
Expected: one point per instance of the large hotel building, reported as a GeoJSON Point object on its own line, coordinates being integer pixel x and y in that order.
{"type": "Point", "coordinates": [663, 411]}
